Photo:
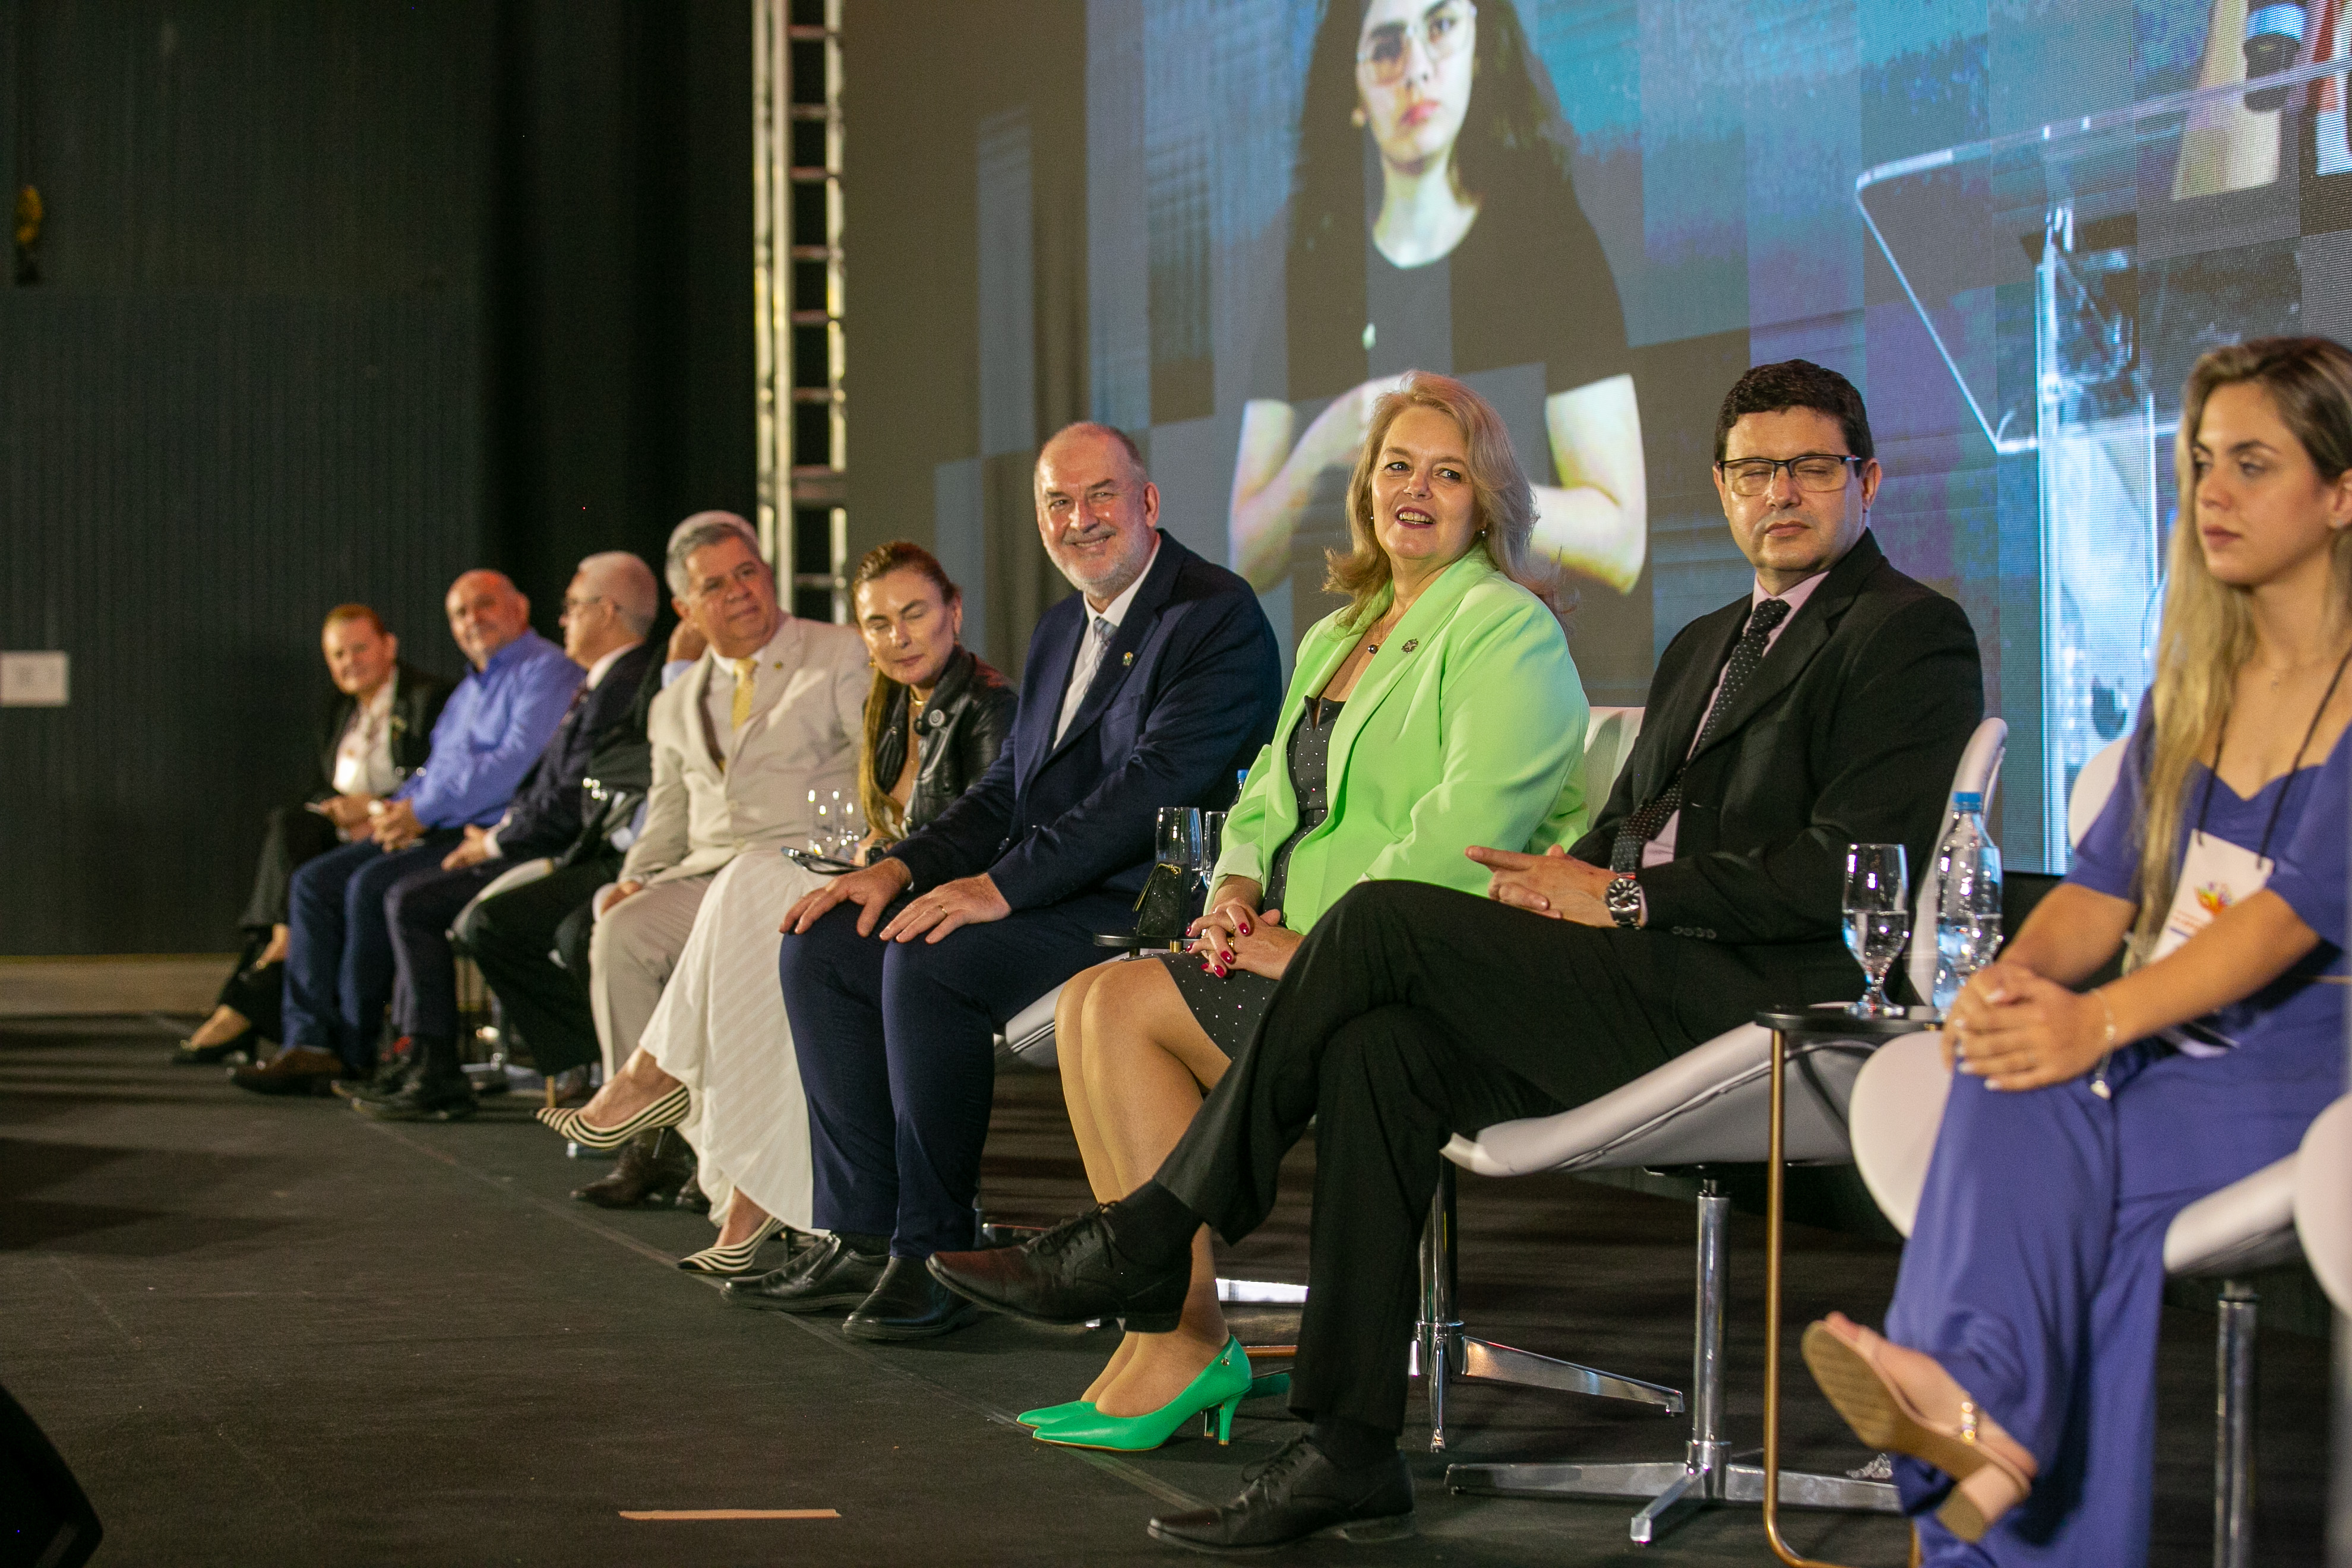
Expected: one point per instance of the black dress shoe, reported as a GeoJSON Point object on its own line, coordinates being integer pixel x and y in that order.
{"type": "Point", "coordinates": [420, 1098]}
{"type": "Point", "coordinates": [391, 1076]}
{"type": "Point", "coordinates": [1297, 1494]}
{"type": "Point", "coordinates": [827, 1278]}
{"type": "Point", "coordinates": [1077, 1272]}
{"type": "Point", "coordinates": [909, 1304]}
{"type": "Point", "coordinates": [652, 1167]}
{"type": "Point", "coordinates": [690, 1195]}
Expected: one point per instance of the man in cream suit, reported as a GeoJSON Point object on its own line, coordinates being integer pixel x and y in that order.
{"type": "Point", "coordinates": [772, 709]}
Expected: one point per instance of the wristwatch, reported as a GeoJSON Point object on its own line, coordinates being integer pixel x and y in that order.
{"type": "Point", "coordinates": [1624, 901]}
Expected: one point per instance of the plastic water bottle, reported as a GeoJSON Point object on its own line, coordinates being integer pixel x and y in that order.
{"type": "Point", "coordinates": [1968, 920]}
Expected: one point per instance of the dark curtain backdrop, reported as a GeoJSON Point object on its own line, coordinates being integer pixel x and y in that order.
{"type": "Point", "coordinates": [332, 302]}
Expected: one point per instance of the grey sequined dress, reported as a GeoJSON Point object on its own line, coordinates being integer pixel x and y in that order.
{"type": "Point", "coordinates": [1228, 1010]}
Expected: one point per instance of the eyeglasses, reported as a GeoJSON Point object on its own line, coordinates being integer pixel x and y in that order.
{"type": "Point", "coordinates": [581, 602]}
{"type": "Point", "coordinates": [1445, 31]}
{"type": "Point", "coordinates": [1816, 471]}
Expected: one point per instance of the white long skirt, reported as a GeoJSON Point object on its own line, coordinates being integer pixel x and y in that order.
{"type": "Point", "coordinates": [720, 1029]}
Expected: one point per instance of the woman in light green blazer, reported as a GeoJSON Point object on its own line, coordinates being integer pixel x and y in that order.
{"type": "Point", "coordinates": [1439, 710]}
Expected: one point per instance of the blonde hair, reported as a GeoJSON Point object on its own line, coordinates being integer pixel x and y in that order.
{"type": "Point", "coordinates": [884, 814]}
{"type": "Point", "coordinates": [2209, 631]}
{"type": "Point", "coordinates": [1501, 502]}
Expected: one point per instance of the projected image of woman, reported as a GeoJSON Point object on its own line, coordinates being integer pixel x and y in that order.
{"type": "Point", "coordinates": [1466, 252]}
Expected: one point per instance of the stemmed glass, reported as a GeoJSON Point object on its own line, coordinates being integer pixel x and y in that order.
{"type": "Point", "coordinates": [1165, 906]}
{"type": "Point", "coordinates": [848, 826]}
{"type": "Point", "coordinates": [1213, 844]}
{"type": "Point", "coordinates": [1877, 918]}
{"type": "Point", "coordinates": [820, 842]}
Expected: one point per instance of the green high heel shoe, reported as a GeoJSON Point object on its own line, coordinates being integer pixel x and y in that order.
{"type": "Point", "coordinates": [1046, 1415]}
{"type": "Point", "coordinates": [1267, 1385]}
{"type": "Point", "coordinates": [1223, 1383]}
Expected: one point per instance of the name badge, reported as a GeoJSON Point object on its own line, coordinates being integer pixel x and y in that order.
{"type": "Point", "coordinates": [2214, 875]}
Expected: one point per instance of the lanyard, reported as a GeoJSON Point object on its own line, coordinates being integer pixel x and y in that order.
{"type": "Point", "coordinates": [2206, 802]}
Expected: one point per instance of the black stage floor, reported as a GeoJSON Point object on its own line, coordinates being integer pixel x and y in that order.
{"type": "Point", "coordinates": [269, 1332]}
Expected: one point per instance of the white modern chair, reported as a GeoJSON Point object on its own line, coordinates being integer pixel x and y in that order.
{"type": "Point", "coordinates": [1706, 1108]}
{"type": "Point", "coordinates": [2323, 1201]}
{"type": "Point", "coordinates": [1898, 1104]}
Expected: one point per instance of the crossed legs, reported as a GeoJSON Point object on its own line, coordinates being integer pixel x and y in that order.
{"type": "Point", "coordinates": [1135, 1065]}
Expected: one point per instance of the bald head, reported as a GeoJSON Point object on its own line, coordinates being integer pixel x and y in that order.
{"type": "Point", "coordinates": [1097, 511]}
{"type": "Point", "coordinates": [485, 613]}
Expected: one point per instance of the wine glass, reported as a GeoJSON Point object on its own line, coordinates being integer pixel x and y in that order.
{"type": "Point", "coordinates": [820, 840]}
{"type": "Point", "coordinates": [1213, 844]}
{"type": "Point", "coordinates": [848, 827]}
{"type": "Point", "coordinates": [1165, 906]}
{"type": "Point", "coordinates": [1177, 840]}
{"type": "Point", "coordinates": [1877, 918]}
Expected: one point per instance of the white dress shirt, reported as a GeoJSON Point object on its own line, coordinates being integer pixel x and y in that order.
{"type": "Point", "coordinates": [364, 754]}
{"type": "Point", "coordinates": [1661, 850]}
{"type": "Point", "coordinates": [1094, 642]}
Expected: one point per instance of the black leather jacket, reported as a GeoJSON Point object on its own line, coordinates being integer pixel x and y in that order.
{"type": "Point", "coordinates": [968, 722]}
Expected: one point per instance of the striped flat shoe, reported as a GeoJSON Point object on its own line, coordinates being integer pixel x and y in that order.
{"type": "Point", "coordinates": [732, 1260]}
{"type": "Point", "coordinates": [667, 1111]}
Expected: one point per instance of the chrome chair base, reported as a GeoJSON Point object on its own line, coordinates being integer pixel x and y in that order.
{"type": "Point", "coordinates": [1709, 1475]}
{"type": "Point", "coordinates": [1491, 1363]}
{"type": "Point", "coordinates": [1441, 1351]}
{"type": "Point", "coordinates": [1696, 1482]}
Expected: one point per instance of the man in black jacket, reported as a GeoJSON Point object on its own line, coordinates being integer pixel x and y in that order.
{"type": "Point", "coordinates": [374, 729]}
{"type": "Point", "coordinates": [607, 610]}
{"type": "Point", "coordinates": [1828, 706]}
{"type": "Point", "coordinates": [1150, 687]}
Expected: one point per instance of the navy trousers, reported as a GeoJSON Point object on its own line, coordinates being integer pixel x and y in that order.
{"type": "Point", "coordinates": [897, 1050]}
{"type": "Point", "coordinates": [2035, 1272]}
{"type": "Point", "coordinates": [417, 912]}
{"type": "Point", "coordinates": [338, 966]}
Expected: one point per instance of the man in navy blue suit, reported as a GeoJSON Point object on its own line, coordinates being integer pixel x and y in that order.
{"type": "Point", "coordinates": [607, 610]}
{"type": "Point", "coordinates": [1153, 685]}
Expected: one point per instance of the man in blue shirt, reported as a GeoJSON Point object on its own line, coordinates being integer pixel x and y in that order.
{"type": "Point", "coordinates": [339, 960]}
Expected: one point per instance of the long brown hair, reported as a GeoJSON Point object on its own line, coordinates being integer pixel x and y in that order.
{"type": "Point", "coordinates": [884, 814]}
{"type": "Point", "coordinates": [1501, 502]}
{"type": "Point", "coordinates": [2209, 627]}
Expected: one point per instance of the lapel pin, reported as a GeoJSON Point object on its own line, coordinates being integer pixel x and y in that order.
{"type": "Point", "coordinates": [1411, 644]}
{"type": "Point", "coordinates": [1126, 659]}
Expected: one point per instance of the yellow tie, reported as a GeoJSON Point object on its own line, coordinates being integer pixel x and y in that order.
{"type": "Point", "coordinates": [744, 668]}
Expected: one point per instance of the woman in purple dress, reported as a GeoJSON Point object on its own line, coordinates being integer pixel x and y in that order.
{"type": "Point", "coordinates": [2016, 1377]}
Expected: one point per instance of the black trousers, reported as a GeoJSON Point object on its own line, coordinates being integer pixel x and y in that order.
{"type": "Point", "coordinates": [546, 1006]}
{"type": "Point", "coordinates": [418, 911]}
{"type": "Point", "coordinates": [1411, 1013]}
{"type": "Point", "coordinates": [295, 834]}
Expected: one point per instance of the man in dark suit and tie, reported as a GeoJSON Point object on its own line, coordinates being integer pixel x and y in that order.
{"type": "Point", "coordinates": [1153, 686]}
{"type": "Point", "coordinates": [1828, 706]}
{"type": "Point", "coordinates": [607, 610]}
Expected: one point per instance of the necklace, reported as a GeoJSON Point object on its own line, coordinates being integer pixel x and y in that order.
{"type": "Point", "coordinates": [1380, 629]}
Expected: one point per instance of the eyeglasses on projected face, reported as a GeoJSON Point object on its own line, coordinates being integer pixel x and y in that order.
{"type": "Point", "coordinates": [1814, 471]}
{"type": "Point", "coordinates": [1444, 30]}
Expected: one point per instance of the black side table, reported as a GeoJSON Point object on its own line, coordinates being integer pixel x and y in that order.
{"type": "Point", "coordinates": [1793, 1027]}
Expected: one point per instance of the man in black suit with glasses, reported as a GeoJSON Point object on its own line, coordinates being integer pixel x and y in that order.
{"type": "Point", "coordinates": [1828, 706]}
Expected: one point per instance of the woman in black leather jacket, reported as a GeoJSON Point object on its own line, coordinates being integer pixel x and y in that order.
{"type": "Point", "coordinates": [927, 687]}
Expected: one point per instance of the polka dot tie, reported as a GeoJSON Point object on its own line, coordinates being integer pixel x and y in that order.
{"type": "Point", "coordinates": [1643, 824]}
